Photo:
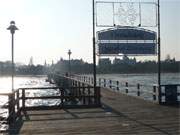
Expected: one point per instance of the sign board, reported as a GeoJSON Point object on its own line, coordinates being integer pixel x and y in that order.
{"type": "Point", "coordinates": [126, 40]}
{"type": "Point", "coordinates": [126, 13]}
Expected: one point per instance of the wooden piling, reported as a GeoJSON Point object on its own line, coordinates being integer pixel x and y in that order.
{"type": "Point", "coordinates": [104, 82]}
{"type": "Point", "coordinates": [126, 87]}
{"type": "Point", "coordinates": [23, 99]}
{"type": "Point", "coordinates": [99, 82]}
{"type": "Point", "coordinates": [138, 89]}
{"type": "Point", "coordinates": [117, 85]}
{"type": "Point", "coordinates": [110, 84]}
{"type": "Point", "coordinates": [11, 108]}
{"type": "Point", "coordinates": [154, 93]}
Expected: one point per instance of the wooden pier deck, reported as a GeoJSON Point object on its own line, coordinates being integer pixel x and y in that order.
{"type": "Point", "coordinates": [120, 114]}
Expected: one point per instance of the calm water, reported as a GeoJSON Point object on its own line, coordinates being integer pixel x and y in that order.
{"type": "Point", "coordinates": [146, 82]}
{"type": "Point", "coordinates": [144, 79]}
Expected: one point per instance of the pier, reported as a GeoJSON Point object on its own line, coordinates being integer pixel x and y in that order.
{"type": "Point", "coordinates": [87, 104]}
{"type": "Point", "coordinates": [89, 111]}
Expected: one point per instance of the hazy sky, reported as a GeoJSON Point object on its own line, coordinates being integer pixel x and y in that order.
{"type": "Point", "coordinates": [48, 28]}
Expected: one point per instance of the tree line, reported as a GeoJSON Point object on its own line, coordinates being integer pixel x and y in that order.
{"type": "Point", "coordinates": [6, 69]}
{"type": "Point", "coordinates": [123, 66]}
{"type": "Point", "coordinates": [105, 66]}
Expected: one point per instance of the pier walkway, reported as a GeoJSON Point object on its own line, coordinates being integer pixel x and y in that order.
{"type": "Point", "coordinates": [119, 114]}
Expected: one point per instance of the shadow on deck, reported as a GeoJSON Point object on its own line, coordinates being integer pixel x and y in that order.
{"type": "Point", "coordinates": [104, 120]}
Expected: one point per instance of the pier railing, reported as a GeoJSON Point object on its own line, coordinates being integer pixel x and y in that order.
{"type": "Point", "coordinates": [147, 92]}
{"type": "Point", "coordinates": [73, 95]}
{"type": "Point", "coordinates": [69, 82]}
{"type": "Point", "coordinates": [12, 107]}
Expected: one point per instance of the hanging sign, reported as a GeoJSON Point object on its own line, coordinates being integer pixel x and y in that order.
{"type": "Point", "coordinates": [126, 41]}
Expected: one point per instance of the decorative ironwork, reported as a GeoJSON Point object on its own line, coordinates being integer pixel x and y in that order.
{"type": "Point", "coordinates": [110, 14]}
{"type": "Point", "coordinates": [126, 14]}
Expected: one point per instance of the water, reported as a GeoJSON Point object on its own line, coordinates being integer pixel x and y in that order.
{"type": "Point", "coordinates": [23, 82]}
{"type": "Point", "coordinates": [143, 79]}
{"type": "Point", "coordinates": [146, 80]}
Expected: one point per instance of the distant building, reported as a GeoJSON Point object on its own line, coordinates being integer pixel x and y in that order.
{"type": "Point", "coordinates": [124, 60]}
{"type": "Point", "coordinates": [31, 61]}
{"type": "Point", "coordinates": [73, 62]}
{"type": "Point", "coordinates": [104, 62]}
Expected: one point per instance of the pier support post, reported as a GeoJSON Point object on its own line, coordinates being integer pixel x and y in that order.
{"type": "Point", "coordinates": [92, 81]}
{"type": "Point", "coordinates": [99, 82]}
{"type": "Point", "coordinates": [117, 85]}
{"type": "Point", "coordinates": [62, 96]}
{"type": "Point", "coordinates": [110, 84]}
{"type": "Point", "coordinates": [89, 95]}
{"type": "Point", "coordinates": [138, 89]}
{"type": "Point", "coordinates": [154, 93]}
{"type": "Point", "coordinates": [126, 87]}
{"type": "Point", "coordinates": [23, 99]}
{"type": "Point", "coordinates": [17, 99]}
{"type": "Point", "coordinates": [11, 108]}
{"type": "Point", "coordinates": [104, 82]}
{"type": "Point", "coordinates": [83, 93]}
{"type": "Point", "coordinates": [97, 96]}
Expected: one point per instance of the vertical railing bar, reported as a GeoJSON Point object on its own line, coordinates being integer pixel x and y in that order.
{"type": "Point", "coordinates": [23, 99]}
{"type": "Point", "coordinates": [117, 86]}
{"type": "Point", "coordinates": [83, 92]}
{"type": "Point", "coordinates": [138, 89]}
{"type": "Point", "coordinates": [62, 96]}
{"type": "Point", "coordinates": [126, 87]}
{"type": "Point", "coordinates": [154, 93]}
{"type": "Point", "coordinates": [17, 100]}
{"type": "Point", "coordinates": [89, 98]}
{"type": "Point", "coordinates": [104, 82]}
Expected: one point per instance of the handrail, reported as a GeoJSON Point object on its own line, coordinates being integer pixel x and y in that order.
{"type": "Point", "coordinates": [145, 91]}
{"type": "Point", "coordinates": [43, 88]}
{"type": "Point", "coordinates": [120, 87]}
{"type": "Point", "coordinates": [85, 94]}
{"type": "Point", "coordinates": [170, 84]}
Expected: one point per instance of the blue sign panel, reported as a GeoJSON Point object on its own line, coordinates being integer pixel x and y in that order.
{"type": "Point", "coordinates": [128, 40]}
{"type": "Point", "coordinates": [127, 48]}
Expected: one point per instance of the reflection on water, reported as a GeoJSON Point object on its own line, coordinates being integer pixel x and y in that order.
{"type": "Point", "coordinates": [22, 82]}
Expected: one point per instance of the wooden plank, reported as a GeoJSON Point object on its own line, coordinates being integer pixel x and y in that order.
{"type": "Point", "coordinates": [120, 114]}
{"type": "Point", "coordinates": [96, 121]}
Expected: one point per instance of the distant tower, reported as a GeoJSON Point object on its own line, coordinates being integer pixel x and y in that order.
{"type": "Point", "coordinates": [45, 64]}
{"type": "Point", "coordinates": [31, 61]}
{"type": "Point", "coordinates": [52, 63]}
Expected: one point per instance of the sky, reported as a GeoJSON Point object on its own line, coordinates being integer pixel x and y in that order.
{"type": "Point", "coordinates": [49, 28]}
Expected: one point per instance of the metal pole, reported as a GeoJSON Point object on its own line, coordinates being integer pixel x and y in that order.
{"type": "Point", "coordinates": [94, 46]}
{"type": "Point", "coordinates": [69, 53]}
{"type": "Point", "coordinates": [12, 62]}
{"type": "Point", "coordinates": [159, 53]}
{"type": "Point", "coordinates": [12, 29]}
{"type": "Point", "coordinates": [69, 64]}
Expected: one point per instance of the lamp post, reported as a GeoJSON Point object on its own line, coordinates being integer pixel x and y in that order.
{"type": "Point", "coordinates": [69, 53]}
{"type": "Point", "coordinates": [12, 29]}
